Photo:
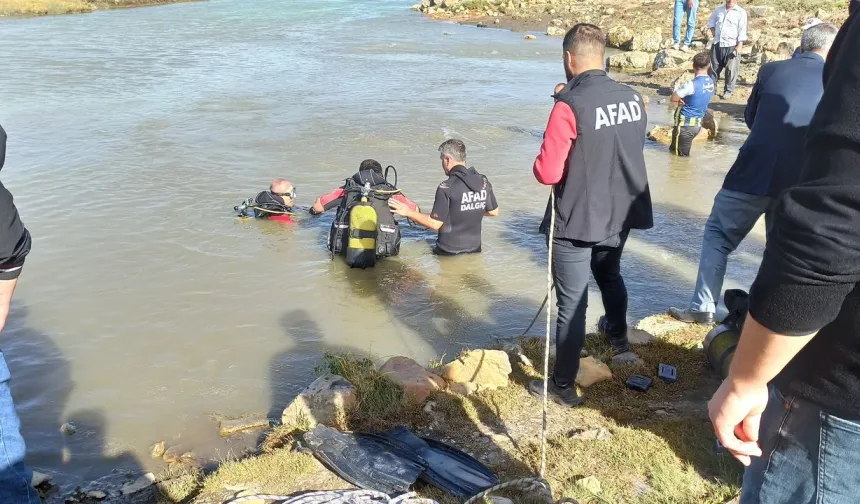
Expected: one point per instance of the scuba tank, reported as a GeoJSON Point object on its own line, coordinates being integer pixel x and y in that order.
{"type": "Point", "coordinates": [361, 245]}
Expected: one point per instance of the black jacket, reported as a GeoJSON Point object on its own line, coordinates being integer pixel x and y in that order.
{"type": "Point", "coordinates": [11, 227]}
{"type": "Point", "coordinates": [605, 190]}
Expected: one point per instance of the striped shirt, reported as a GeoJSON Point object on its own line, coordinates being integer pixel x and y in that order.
{"type": "Point", "coordinates": [730, 26]}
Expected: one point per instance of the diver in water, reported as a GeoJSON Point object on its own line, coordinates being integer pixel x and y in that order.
{"type": "Point", "coordinates": [275, 204]}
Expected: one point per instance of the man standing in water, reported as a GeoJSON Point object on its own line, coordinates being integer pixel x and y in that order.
{"type": "Point", "coordinates": [461, 203]}
{"type": "Point", "coordinates": [15, 477]}
{"type": "Point", "coordinates": [780, 107]}
{"type": "Point", "coordinates": [592, 155]}
{"type": "Point", "coordinates": [693, 98]}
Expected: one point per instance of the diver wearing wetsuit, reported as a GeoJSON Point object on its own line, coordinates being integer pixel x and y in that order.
{"type": "Point", "coordinates": [275, 204]}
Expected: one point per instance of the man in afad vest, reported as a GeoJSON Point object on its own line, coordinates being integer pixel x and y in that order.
{"type": "Point", "coordinates": [693, 98]}
{"type": "Point", "coordinates": [592, 155]}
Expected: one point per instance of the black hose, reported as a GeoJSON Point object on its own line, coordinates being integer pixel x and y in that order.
{"type": "Point", "coordinates": [540, 310]}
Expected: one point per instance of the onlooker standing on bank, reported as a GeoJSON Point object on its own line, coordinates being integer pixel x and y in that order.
{"type": "Point", "coordinates": [592, 154]}
{"type": "Point", "coordinates": [780, 107]}
{"type": "Point", "coordinates": [15, 477]}
{"type": "Point", "coordinates": [728, 25]}
{"type": "Point", "coordinates": [688, 7]}
{"type": "Point", "coordinates": [790, 406]}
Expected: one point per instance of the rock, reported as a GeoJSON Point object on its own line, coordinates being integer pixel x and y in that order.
{"type": "Point", "coordinates": [414, 379]}
{"type": "Point", "coordinates": [682, 79]}
{"type": "Point", "coordinates": [555, 31]}
{"type": "Point", "coordinates": [425, 4]}
{"type": "Point", "coordinates": [529, 37]}
{"type": "Point", "coordinates": [661, 412]}
{"type": "Point", "coordinates": [501, 500]}
{"type": "Point", "coordinates": [435, 3]}
{"type": "Point", "coordinates": [619, 36]}
{"type": "Point", "coordinates": [231, 427]}
{"type": "Point", "coordinates": [663, 135]}
{"type": "Point", "coordinates": [609, 11]}
{"type": "Point", "coordinates": [592, 371]}
{"type": "Point", "coordinates": [39, 479]}
{"type": "Point", "coordinates": [627, 359]}
{"type": "Point", "coordinates": [488, 369]}
{"type": "Point", "coordinates": [600, 434]}
{"type": "Point", "coordinates": [711, 122]}
{"type": "Point", "coordinates": [630, 60]}
{"type": "Point", "coordinates": [648, 41]}
{"type": "Point", "coordinates": [770, 57]}
{"type": "Point", "coordinates": [753, 35]}
{"type": "Point", "coordinates": [660, 325]}
{"type": "Point", "coordinates": [97, 495]}
{"type": "Point", "coordinates": [145, 481]}
{"type": "Point", "coordinates": [758, 11]}
{"type": "Point", "coordinates": [670, 58]}
{"type": "Point", "coordinates": [496, 21]}
{"type": "Point", "coordinates": [447, 4]}
{"type": "Point", "coordinates": [157, 450]}
{"type": "Point", "coordinates": [68, 429]}
{"type": "Point", "coordinates": [639, 337]}
{"type": "Point", "coordinates": [590, 484]}
{"type": "Point", "coordinates": [481, 25]}
{"type": "Point", "coordinates": [463, 389]}
{"type": "Point", "coordinates": [327, 398]}
{"type": "Point", "coordinates": [748, 74]}
{"type": "Point", "coordinates": [428, 408]}
{"type": "Point", "coordinates": [698, 45]}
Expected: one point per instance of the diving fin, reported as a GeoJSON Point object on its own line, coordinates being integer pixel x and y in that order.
{"type": "Point", "coordinates": [366, 461]}
{"type": "Point", "coordinates": [448, 468]}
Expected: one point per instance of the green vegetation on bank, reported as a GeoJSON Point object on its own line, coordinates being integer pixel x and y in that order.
{"type": "Point", "coordinates": [51, 7]}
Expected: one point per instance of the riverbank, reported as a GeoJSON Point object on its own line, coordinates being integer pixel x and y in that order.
{"type": "Point", "coordinates": [622, 446]}
{"type": "Point", "coordinates": [642, 29]}
{"type": "Point", "coordinates": [29, 8]}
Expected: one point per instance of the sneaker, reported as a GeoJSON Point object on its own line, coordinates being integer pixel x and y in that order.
{"type": "Point", "coordinates": [676, 46]}
{"type": "Point", "coordinates": [686, 48]}
{"type": "Point", "coordinates": [565, 396]}
{"type": "Point", "coordinates": [692, 316]}
{"type": "Point", "coordinates": [727, 95]}
{"type": "Point", "coordinates": [619, 343]}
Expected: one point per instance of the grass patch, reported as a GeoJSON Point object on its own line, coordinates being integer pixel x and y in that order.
{"type": "Point", "coordinates": [276, 472]}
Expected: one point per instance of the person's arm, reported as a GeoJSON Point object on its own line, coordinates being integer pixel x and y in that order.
{"type": "Point", "coordinates": [560, 135]}
{"type": "Point", "coordinates": [408, 202]}
{"type": "Point", "coordinates": [752, 103]}
{"type": "Point", "coordinates": [742, 33]}
{"type": "Point", "coordinates": [811, 261]}
{"type": "Point", "coordinates": [685, 90]}
{"type": "Point", "coordinates": [328, 201]}
{"type": "Point", "coordinates": [492, 208]}
{"type": "Point", "coordinates": [433, 221]}
{"type": "Point", "coordinates": [712, 24]}
{"type": "Point", "coordinates": [2, 147]}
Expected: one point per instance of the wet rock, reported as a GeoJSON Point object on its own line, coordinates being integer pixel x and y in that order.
{"type": "Point", "coordinates": [231, 427]}
{"type": "Point", "coordinates": [619, 36]}
{"type": "Point", "coordinates": [157, 450]}
{"type": "Point", "coordinates": [463, 389]}
{"type": "Point", "coordinates": [97, 495]}
{"type": "Point", "coordinates": [633, 60]}
{"type": "Point", "coordinates": [529, 37]}
{"type": "Point", "coordinates": [600, 434]}
{"type": "Point", "coordinates": [670, 58]}
{"type": "Point", "coordinates": [481, 25]}
{"type": "Point", "coordinates": [758, 11]}
{"type": "Point", "coordinates": [627, 359]}
{"type": "Point", "coordinates": [325, 400]}
{"type": "Point", "coordinates": [647, 41]}
{"type": "Point", "coordinates": [68, 429]}
{"type": "Point", "coordinates": [172, 455]}
{"type": "Point", "coordinates": [555, 31]}
{"type": "Point", "coordinates": [711, 122]}
{"type": "Point", "coordinates": [142, 483]}
{"type": "Point", "coordinates": [663, 135]}
{"type": "Point", "coordinates": [590, 484]}
{"type": "Point", "coordinates": [639, 337]}
{"type": "Point", "coordinates": [414, 379]}
{"type": "Point", "coordinates": [592, 371]}
{"type": "Point", "coordinates": [488, 369]}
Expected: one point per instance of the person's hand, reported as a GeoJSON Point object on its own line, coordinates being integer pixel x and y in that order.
{"type": "Point", "coordinates": [690, 4]}
{"type": "Point", "coordinates": [399, 208]}
{"type": "Point", "coordinates": [681, 102]}
{"type": "Point", "coordinates": [735, 411]}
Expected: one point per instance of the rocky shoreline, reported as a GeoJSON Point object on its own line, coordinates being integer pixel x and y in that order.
{"type": "Point", "coordinates": [34, 8]}
{"type": "Point", "coordinates": [641, 29]}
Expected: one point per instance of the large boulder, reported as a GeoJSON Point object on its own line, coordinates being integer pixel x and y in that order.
{"type": "Point", "coordinates": [633, 60]}
{"type": "Point", "coordinates": [711, 122]}
{"type": "Point", "coordinates": [769, 57]}
{"type": "Point", "coordinates": [487, 369]}
{"type": "Point", "coordinates": [415, 380]}
{"type": "Point", "coordinates": [663, 135]}
{"type": "Point", "coordinates": [322, 402]}
{"type": "Point", "coordinates": [619, 36]}
{"type": "Point", "coordinates": [592, 371]}
{"type": "Point", "coordinates": [648, 40]}
{"type": "Point", "coordinates": [670, 58]}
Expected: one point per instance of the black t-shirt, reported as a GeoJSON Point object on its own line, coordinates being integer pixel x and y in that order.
{"type": "Point", "coordinates": [461, 201]}
{"type": "Point", "coordinates": [11, 229]}
{"type": "Point", "coordinates": [810, 276]}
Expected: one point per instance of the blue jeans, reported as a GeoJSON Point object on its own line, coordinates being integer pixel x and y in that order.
{"type": "Point", "coordinates": [15, 477]}
{"type": "Point", "coordinates": [732, 218]}
{"type": "Point", "coordinates": [808, 456]}
{"type": "Point", "coordinates": [571, 264]}
{"type": "Point", "coordinates": [681, 9]}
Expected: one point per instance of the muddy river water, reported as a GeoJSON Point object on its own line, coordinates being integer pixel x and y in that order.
{"type": "Point", "coordinates": [146, 307]}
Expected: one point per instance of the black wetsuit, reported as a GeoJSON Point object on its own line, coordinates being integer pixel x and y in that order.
{"type": "Point", "coordinates": [461, 201]}
{"type": "Point", "coordinates": [14, 238]}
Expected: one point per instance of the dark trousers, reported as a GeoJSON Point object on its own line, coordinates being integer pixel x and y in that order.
{"type": "Point", "coordinates": [723, 58]}
{"type": "Point", "coordinates": [571, 263]}
{"type": "Point", "coordinates": [682, 139]}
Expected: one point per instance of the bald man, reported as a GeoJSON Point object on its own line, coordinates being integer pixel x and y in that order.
{"type": "Point", "coordinates": [275, 204]}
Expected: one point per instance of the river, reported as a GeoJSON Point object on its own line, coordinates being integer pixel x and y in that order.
{"type": "Point", "coordinates": [146, 308]}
